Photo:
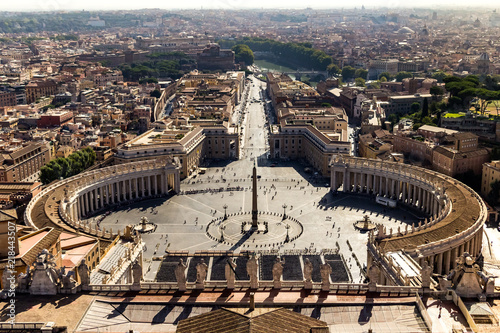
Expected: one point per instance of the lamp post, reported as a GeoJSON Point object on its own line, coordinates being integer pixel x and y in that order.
{"type": "Point", "coordinates": [284, 211]}
{"type": "Point", "coordinates": [225, 214]}
{"type": "Point", "coordinates": [222, 228]}
{"type": "Point", "coordinates": [287, 238]}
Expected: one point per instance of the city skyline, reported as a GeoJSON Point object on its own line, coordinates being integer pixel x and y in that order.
{"type": "Point", "coordinates": [51, 5]}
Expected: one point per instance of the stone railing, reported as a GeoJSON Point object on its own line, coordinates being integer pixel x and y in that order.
{"type": "Point", "coordinates": [421, 225]}
{"type": "Point", "coordinates": [22, 326]}
{"type": "Point", "coordinates": [266, 285]}
{"type": "Point", "coordinates": [395, 272]}
{"type": "Point", "coordinates": [134, 253]}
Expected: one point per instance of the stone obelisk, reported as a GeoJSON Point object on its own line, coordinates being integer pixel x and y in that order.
{"type": "Point", "coordinates": [254, 198]}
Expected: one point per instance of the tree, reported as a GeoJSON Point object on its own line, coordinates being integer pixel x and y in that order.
{"type": "Point", "coordinates": [362, 73]}
{"type": "Point", "coordinates": [454, 101]}
{"type": "Point", "coordinates": [415, 107]}
{"type": "Point", "coordinates": [387, 76]}
{"type": "Point", "coordinates": [439, 76]}
{"type": "Point", "coordinates": [242, 53]}
{"type": "Point", "coordinates": [403, 75]}
{"type": "Point", "coordinates": [383, 79]}
{"type": "Point", "coordinates": [156, 93]}
{"type": "Point", "coordinates": [360, 82]}
{"type": "Point", "coordinates": [375, 84]}
{"type": "Point", "coordinates": [333, 69]}
{"type": "Point", "coordinates": [496, 102]}
{"type": "Point", "coordinates": [348, 73]}
{"type": "Point", "coordinates": [436, 91]}
{"type": "Point", "coordinates": [485, 97]}
{"type": "Point", "coordinates": [425, 108]}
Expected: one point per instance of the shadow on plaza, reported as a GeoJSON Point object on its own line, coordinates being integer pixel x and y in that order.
{"type": "Point", "coordinates": [351, 202]}
{"type": "Point", "coordinates": [242, 240]}
{"type": "Point", "coordinates": [366, 312]}
{"type": "Point", "coordinates": [304, 169]}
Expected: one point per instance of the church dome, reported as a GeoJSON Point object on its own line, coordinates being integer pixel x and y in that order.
{"type": "Point", "coordinates": [484, 56]}
{"type": "Point", "coordinates": [405, 30]}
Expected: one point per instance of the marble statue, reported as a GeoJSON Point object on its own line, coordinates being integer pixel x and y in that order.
{"type": "Point", "coordinates": [136, 272]}
{"type": "Point", "coordinates": [252, 268]}
{"type": "Point", "coordinates": [278, 272]}
{"type": "Point", "coordinates": [373, 276]}
{"type": "Point", "coordinates": [68, 282]}
{"type": "Point", "coordinates": [308, 269]}
{"type": "Point", "coordinates": [180, 275]}
{"type": "Point", "coordinates": [45, 275]}
{"type": "Point", "coordinates": [425, 273]}
{"type": "Point", "coordinates": [23, 280]}
{"type": "Point", "coordinates": [230, 270]}
{"type": "Point", "coordinates": [7, 273]}
{"type": "Point", "coordinates": [83, 273]}
{"type": "Point", "coordinates": [201, 274]}
{"type": "Point", "coordinates": [325, 270]}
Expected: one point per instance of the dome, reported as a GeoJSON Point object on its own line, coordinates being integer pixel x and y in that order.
{"type": "Point", "coordinates": [484, 56]}
{"type": "Point", "coordinates": [405, 30]}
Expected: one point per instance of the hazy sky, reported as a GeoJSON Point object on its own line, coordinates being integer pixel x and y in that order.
{"type": "Point", "coordinates": [35, 5]}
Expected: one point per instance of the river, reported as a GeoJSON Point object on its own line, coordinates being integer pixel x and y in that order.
{"type": "Point", "coordinates": [272, 67]}
{"type": "Point", "coordinates": [265, 65]}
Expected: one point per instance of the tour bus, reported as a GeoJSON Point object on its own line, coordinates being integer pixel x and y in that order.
{"type": "Point", "coordinates": [385, 201]}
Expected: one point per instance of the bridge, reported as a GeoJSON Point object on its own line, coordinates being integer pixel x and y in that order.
{"type": "Point", "coordinates": [300, 73]}
{"type": "Point", "coordinates": [307, 73]}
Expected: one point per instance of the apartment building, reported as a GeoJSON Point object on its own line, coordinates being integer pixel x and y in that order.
{"type": "Point", "coordinates": [306, 141]}
{"type": "Point", "coordinates": [22, 164]}
{"type": "Point", "coordinates": [190, 144]}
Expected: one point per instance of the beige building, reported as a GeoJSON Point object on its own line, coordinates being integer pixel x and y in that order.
{"type": "Point", "coordinates": [491, 173]}
{"type": "Point", "coordinates": [306, 141]}
{"type": "Point", "coordinates": [23, 164]}
{"type": "Point", "coordinates": [190, 144]}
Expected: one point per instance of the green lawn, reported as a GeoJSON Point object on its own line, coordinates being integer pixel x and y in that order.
{"type": "Point", "coordinates": [454, 115]}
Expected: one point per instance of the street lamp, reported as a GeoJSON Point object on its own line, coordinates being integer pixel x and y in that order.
{"type": "Point", "coordinates": [222, 228]}
{"type": "Point", "coordinates": [225, 215]}
{"type": "Point", "coordinates": [287, 238]}
{"type": "Point", "coordinates": [284, 211]}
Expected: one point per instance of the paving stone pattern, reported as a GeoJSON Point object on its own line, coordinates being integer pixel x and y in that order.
{"type": "Point", "coordinates": [339, 271]}
{"type": "Point", "coordinates": [241, 269]}
{"type": "Point", "coordinates": [218, 272]}
{"type": "Point", "coordinates": [292, 270]}
{"type": "Point", "coordinates": [266, 267]}
{"type": "Point", "coordinates": [166, 272]}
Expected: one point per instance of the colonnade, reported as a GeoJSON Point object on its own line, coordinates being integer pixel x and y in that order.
{"type": "Point", "coordinates": [449, 233]}
{"type": "Point", "coordinates": [129, 187]}
{"type": "Point", "coordinates": [390, 185]}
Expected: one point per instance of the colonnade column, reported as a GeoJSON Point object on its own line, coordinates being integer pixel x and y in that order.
{"type": "Point", "coordinates": [101, 196]}
{"type": "Point", "coordinates": [156, 184]}
{"type": "Point", "coordinates": [149, 185]}
{"type": "Point", "coordinates": [447, 262]}
{"type": "Point", "coordinates": [162, 183]}
{"type": "Point", "coordinates": [177, 182]}
{"type": "Point", "coordinates": [454, 257]}
{"type": "Point", "coordinates": [440, 263]}
{"type": "Point", "coordinates": [86, 198]}
{"type": "Point", "coordinates": [363, 177]}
